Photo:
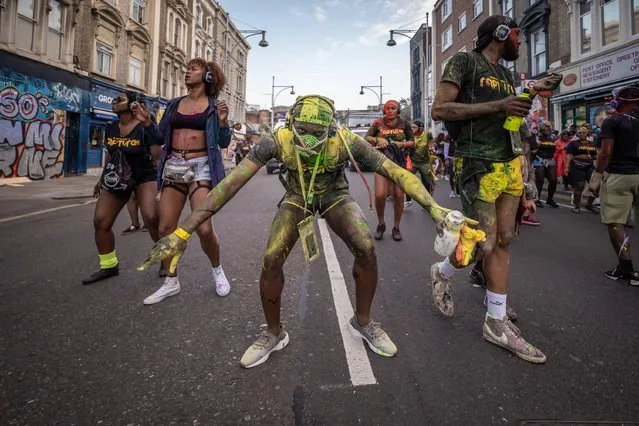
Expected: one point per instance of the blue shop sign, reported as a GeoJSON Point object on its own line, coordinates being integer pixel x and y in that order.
{"type": "Point", "coordinates": [101, 97]}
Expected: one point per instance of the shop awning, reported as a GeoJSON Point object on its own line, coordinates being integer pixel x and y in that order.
{"type": "Point", "coordinates": [104, 114]}
{"type": "Point", "coordinates": [592, 93]}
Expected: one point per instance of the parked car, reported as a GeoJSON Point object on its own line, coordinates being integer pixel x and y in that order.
{"type": "Point", "coordinates": [273, 166]}
{"type": "Point", "coordinates": [359, 131]}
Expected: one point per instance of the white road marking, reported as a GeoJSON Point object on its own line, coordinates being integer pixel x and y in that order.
{"type": "Point", "coordinates": [359, 365]}
{"type": "Point", "coordinates": [39, 212]}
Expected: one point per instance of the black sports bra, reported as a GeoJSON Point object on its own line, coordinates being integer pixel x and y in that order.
{"type": "Point", "coordinates": [193, 121]}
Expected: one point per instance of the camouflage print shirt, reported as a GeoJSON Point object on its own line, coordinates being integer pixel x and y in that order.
{"type": "Point", "coordinates": [480, 81]}
{"type": "Point", "coordinates": [330, 175]}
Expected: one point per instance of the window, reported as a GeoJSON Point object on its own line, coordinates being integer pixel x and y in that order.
{"type": "Point", "coordinates": [461, 22]}
{"type": "Point", "coordinates": [138, 11]}
{"type": "Point", "coordinates": [208, 55]}
{"type": "Point", "coordinates": [635, 17]}
{"type": "Point", "coordinates": [103, 57]}
{"type": "Point", "coordinates": [198, 15]}
{"type": "Point", "coordinates": [54, 37]}
{"type": "Point", "coordinates": [209, 31]}
{"type": "Point", "coordinates": [239, 82]}
{"type": "Point", "coordinates": [538, 52]}
{"type": "Point", "coordinates": [447, 9]}
{"type": "Point", "coordinates": [511, 67]}
{"type": "Point", "coordinates": [165, 79]}
{"type": "Point", "coordinates": [174, 76]}
{"type": "Point", "coordinates": [184, 37]}
{"type": "Point", "coordinates": [447, 38]}
{"type": "Point", "coordinates": [135, 72]}
{"type": "Point", "coordinates": [585, 26]}
{"type": "Point", "coordinates": [507, 8]}
{"type": "Point", "coordinates": [197, 49]}
{"type": "Point", "coordinates": [478, 8]}
{"type": "Point", "coordinates": [26, 24]}
{"type": "Point", "coordinates": [609, 21]}
{"type": "Point", "coordinates": [176, 32]}
{"type": "Point", "coordinates": [170, 32]}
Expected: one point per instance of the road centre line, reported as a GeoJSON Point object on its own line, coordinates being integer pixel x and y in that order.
{"type": "Point", "coordinates": [359, 365]}
{"type": "Point", "coordinates": [39, 212]}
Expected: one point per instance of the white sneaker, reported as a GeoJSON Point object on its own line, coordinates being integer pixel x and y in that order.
{"type": "Point", "coordinates": [170, 288]}
{"type": "Point", "coordinates": [222, 285]}
{"type": "Point", "coordinates": [408, 204]}
{"type": "Point", "coordinates": [452, 194]}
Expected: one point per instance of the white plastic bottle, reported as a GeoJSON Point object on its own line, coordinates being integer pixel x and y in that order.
{"type": "Point", "coordinates": [448, 237]}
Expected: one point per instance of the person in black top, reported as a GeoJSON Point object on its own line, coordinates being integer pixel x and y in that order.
{"type": "Point", "coordinates": [391, 135]}
{"type": "Point", "coordinates": [619, 158]}
{"type": "Point", "coordinates": [132, 143]}
{"type": "Point", "coordinates": [545, 167]}
{"type": "Point", "coordinates": [580, 156]}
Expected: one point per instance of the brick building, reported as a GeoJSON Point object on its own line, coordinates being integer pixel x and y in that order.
{"type": "Point", "coordinates": [454, 30]}
{"type": "Point", "coordinates": [421, 69]}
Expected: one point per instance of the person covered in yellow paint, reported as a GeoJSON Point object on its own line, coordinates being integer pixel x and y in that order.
{"type": "Point", "coordinates": [313, 149]}
{"type": "Point", "coordinates": [420, 158]}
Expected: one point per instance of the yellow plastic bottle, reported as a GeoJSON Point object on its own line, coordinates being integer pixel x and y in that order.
{"type": "Point", "coordinates": [513, 122]}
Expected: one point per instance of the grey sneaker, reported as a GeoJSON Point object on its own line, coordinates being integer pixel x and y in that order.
{"type": "Point", "coordinates": [510, 312]}
{"type": "Point", "coordinates": [442, 295]}
{"type": "Point", "coordinates": [505, 334]}
{"type": "Point", "coordinates": [374, 336]}
{"type": "Point", "coordinates": [259, 351]}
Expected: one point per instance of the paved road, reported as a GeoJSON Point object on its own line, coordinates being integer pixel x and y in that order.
{"type": "Point", "coordinates": [74, 354]}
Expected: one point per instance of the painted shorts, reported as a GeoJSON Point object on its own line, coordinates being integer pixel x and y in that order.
{"type": "Point", "coordinates": [506, 178]}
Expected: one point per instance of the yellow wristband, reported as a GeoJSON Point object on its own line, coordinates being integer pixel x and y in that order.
{"type": "Point", "coordinates": [182, 234]}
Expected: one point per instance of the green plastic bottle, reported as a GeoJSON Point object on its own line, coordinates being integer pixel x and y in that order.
{"type": "Point", "coordinates": [513, 122]}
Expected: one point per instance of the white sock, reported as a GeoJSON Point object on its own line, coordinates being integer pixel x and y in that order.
{"type": "Point", "coordinates": [217, 270]}
{"type": "Point", "coordinates": [496, 305]}
{"type": "Point", "coordinates": [447, 269]}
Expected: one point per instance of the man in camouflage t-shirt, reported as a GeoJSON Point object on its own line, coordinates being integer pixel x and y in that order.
{"type": "Point", "coordinates": [475, 97]}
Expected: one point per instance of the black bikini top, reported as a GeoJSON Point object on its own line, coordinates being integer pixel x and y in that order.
{"type": "Point", "coordinates": [193, 121]}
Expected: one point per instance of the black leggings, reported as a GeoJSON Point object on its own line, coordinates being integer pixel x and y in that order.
{"type": "Point", "coordinates": [550, 173]}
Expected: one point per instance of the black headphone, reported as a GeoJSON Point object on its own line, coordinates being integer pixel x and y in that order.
{"type": "Point", "coordinates": [501, 33]}
{"type": "Point", "coordinates": [208, 75]}
{"type": "Point", "coordinates": [419, 124]}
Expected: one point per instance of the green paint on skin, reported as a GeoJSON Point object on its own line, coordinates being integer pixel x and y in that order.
{"type": "Point", "coordinates": [362, 223]}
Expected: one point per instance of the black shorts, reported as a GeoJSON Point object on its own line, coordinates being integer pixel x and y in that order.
{"type": "Point", "coordinates": [143, 170]}
{"type": "Point", "coordinates": [580, 174]}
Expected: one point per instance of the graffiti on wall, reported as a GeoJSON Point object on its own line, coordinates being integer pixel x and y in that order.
{"type": "Point", "coordinates": [32, 125]}
{"type": "Point", "coordinates": [31, 135]}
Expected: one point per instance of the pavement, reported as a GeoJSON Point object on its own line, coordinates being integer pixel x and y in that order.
{"type": "Point", "coordinates": [22, 196]}
{"type": "Point", "coordinates": [74, 354]}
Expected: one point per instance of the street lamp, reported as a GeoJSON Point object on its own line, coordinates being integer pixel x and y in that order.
{"type": "Point", "coordinates": [274, 96]}
{"type": "Point", "coordinates": [379, 95]}
{"type": "Point", "coordinates": [262, 43]}
{"type": "Point", "coordinates": [391, 43]}
{"type": "Point", "coordinates": [228, 55]}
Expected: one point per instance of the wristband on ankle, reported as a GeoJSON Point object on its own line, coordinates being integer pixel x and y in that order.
{"type": "Point", "coordinates": [182, 234]}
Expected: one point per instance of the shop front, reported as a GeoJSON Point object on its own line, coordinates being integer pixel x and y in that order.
{"type": "Point", "coordinates": [586, 91]}
{"type": "Point", "coordinates": [101, 96]}
{"type": "Point", "coordinates": [42, 119]}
